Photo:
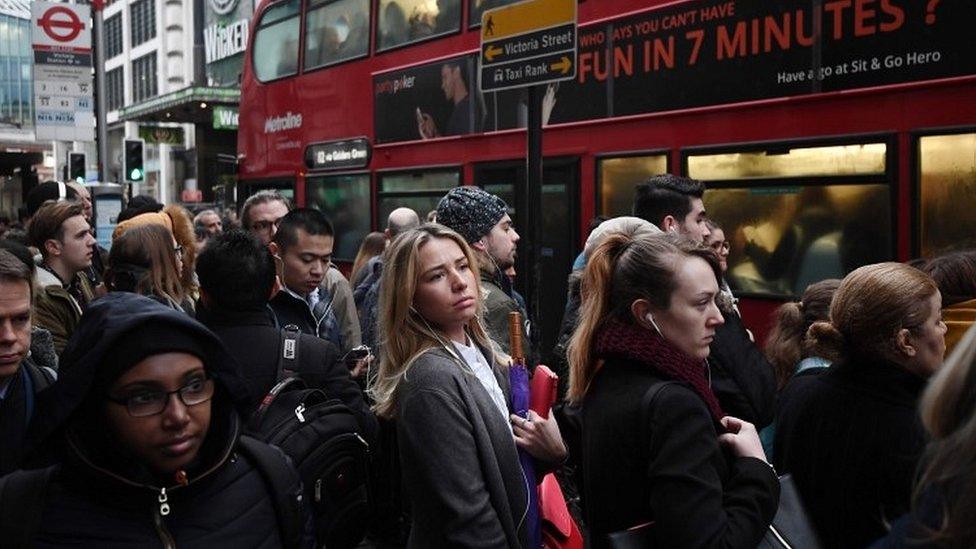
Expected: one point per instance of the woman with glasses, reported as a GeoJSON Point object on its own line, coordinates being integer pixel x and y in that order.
{"type": "Point", "coordinates": [145, 260]}
{"type": "Point", "coordinates": [177, 221]}
{"type": "Point", "coordinates": [144, 433]}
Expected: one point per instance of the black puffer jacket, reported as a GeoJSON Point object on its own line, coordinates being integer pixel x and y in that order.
{"type": "Point", "coordinates": [100, 496]}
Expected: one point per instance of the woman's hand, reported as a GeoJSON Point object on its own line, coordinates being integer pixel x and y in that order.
{"type": "Point", "coordinates": [741, 438]}
{"type": "Point", "coordinates": [539, 437]}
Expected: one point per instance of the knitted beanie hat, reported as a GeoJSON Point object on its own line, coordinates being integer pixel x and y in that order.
{"type": "Point", "coordinates": [470, 211]}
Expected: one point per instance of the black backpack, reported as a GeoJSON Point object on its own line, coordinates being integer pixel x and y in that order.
{"type": "Point", "coordinates": [321, 436]}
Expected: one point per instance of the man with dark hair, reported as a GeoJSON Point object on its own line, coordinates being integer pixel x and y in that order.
{"type": "Point", "coordinates": [20, 379]}
{"type": "Point", "coordinates": [237, 279]}
{"type": "Point", "coordinates": [260, 215]}
{"type": "Point", "coordinates": [673, 204]}
{"type": "Point", "coordinates": [60, 232]}
{"type": "Point", "coordinates": [304, 242]}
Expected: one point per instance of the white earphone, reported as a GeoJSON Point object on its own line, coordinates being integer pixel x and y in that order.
{"type": "Point", "coordinates": [650, 318]}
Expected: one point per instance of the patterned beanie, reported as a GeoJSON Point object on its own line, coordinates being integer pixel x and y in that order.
{"type": "Point", "coordinates": [470, 211]}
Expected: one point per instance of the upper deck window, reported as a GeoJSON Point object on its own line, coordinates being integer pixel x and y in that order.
{"type": "Point", "coordinates": [276, 41]}
{"type": "Point", "coordinates": [619, 176]}
{"type": "Point", "coordinates": [336, 30]}
{"type": "Point", "coordinates": [405, 21]}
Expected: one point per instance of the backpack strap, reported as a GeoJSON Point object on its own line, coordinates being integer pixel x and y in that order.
{"type": "Point", "coordinates": [22, 495]}
{"type": "Point", "coordinates": [285, 491]}
{"type": "Point", "coordinates": [647, 405]}
{"type": "Point", "coordinates": [287, 352]}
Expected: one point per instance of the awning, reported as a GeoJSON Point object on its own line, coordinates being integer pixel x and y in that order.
{"type": "Point", "coordinates": [191, 105]}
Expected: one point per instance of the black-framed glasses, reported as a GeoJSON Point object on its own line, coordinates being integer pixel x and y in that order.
{"type": "Point", "coordinates": [151, 403]}
{"type": "Point", "coordinates": [178, 250]}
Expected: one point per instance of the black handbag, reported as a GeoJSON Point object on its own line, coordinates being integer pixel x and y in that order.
{"type": "Point", "coordinates": [791, 527]}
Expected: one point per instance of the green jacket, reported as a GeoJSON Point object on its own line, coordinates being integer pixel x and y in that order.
{"type": "Point", "coordinates": [55, 309]}
{"type": "Point", "coordinates": [497, 305]}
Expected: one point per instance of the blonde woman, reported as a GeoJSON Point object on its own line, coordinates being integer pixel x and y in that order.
{"type": "Point", "coordinates": [448, 392]}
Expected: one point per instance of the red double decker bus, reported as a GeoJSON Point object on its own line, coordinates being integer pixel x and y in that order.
{"type": "Point", "coordinates": [831, 134]}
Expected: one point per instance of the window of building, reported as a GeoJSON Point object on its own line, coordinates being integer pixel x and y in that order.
{"type": "Point", "coordinates": [795, 216]}
{"type": "Point", "coordinates": [142, 19]}
{"type": "Point", "coordinates": [276, 41]}
{"type": "Point", "coordinates": [405, 21]}
{"type": "Point", "coordinates": [477, 7]}
{"type": "Point", "coordinates": [336, 30]}
{"type": "Point", "coordinates": [947, 193]}
{"type": "Point", "coordinates": [113, 36]}
{"type": "Point", "coordinates": [345, 199]}
{"type": "Point", "coordinates": [144, 77]}
{"type": "Point", "coordinates": [419, 190]}
{"type": "Point", "coordinates": [115, 89]}
{"type": "Point", "coordinates": [617, 177]}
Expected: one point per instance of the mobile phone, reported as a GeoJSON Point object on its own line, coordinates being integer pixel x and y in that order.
{"type": "Point", "coordinates": [356, 354]}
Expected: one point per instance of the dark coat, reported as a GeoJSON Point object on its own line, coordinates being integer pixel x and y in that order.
{"type": "Point", "coordinates": [665, 464]}
{"type": "Point", "coordinates": [254, 341]}
{"type": "Point", "coordinates": [460, 468]}
{"type": "Point", "coordinates": [16, 409]}
{"type": "Point", "coordinates": [289, 309]}
{"type": "Point", "coordinates": [852, 440]}
{"type": "Point", "coordinates": [100, 496]}
{"type": "Point", "coordinates": [742, 378]}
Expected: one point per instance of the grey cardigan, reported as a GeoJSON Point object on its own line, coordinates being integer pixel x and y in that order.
{"type": "Point", "coordinates": [460, 466]}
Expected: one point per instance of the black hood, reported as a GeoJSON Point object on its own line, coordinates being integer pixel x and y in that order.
{"type": "Point", "coordinates": [104, 323]}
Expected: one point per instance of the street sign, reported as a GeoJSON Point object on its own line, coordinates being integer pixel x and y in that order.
{"type": "Point", "coordinates": [63, 91]}
{"type": "Point", "coordinates": [528, 43]}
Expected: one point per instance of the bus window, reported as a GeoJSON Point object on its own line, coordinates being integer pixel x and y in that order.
{"type": "Point", "coordinates": [420, 191]}
{"type": "Point", "coordinates": [618, 176]}
{"type": "Point", "coordinates": [796, 216]}
{"type": "Point", "coordinates": [345, 200]}
{"type": "Point", "coordinates": [336, 31]}
{"type": "Point", "coordinates": [947, 193]}
{"type": "Point", "coordinates": [275, 51]}
{"type": "Point", "coordinates": [477, 7]}
{"type": "Point", "coordinates": [862, 159]}
{"type": "Point", "coordinates": [405, 21]}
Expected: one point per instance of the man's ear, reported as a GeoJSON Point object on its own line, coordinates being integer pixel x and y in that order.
{"type": "Point", "coordinates": [388, 235]}
{"type": "Point", "coordinates": [480, 245]}
{"type": "Point", "coordinates": [52, 247]}
{"type": "Point", "coordinates": [275, 288]}
{"type": "Point", "coordinates": [274, 248]}
{"type": "Point", "coordinates": [904, 343]}
{"type": "Point", "coordinates": [669, 224]}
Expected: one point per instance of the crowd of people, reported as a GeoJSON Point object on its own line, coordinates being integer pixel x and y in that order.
{"type": "Point", "coordinates": [134, 381]}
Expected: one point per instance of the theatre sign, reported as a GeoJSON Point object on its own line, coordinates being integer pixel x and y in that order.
{"type": "Point", "coordinates": [225, 35]}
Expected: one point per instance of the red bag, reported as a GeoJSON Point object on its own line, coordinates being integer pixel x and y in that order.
{"type": "Point", "coordinates": [543, 390]}
{"type": "Point", "coordinates": [559, 530]}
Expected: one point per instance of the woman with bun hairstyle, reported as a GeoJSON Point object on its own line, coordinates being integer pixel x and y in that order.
{"type": "Point", "coordinates": [944, 505]}
{"type": "Point", "coordinates": [656, 446]}
{"type": "Point", "coordinates": [851, 437]}
{"type": "Point", "coordinates": [787, 348]}
{"type": "Point", "coordinates": [447, 391]}
{"type": "Point", "coordinates": [143, 260]}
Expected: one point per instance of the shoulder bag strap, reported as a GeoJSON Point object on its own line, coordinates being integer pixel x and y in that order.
{"type": "Point", "coordinates": [273, 468]}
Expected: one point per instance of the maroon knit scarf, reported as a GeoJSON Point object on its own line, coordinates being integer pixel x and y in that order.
{"type": "Point", "coordinates": [636, 343]}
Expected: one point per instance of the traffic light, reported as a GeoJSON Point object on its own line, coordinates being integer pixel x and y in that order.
{"type": "Point", "coordinates": [76, 166]}
{"type": "Point", "coordinates": [133, 157]}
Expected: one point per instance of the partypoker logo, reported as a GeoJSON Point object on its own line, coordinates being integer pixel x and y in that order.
{"type": "Point", "coordinates": [223, 7]}
{"type": "Point", "coordinates": [61, 24]}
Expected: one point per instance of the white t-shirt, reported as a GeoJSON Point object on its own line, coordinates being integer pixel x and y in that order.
{"type": "Point", "coordinates": [483, 371]}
